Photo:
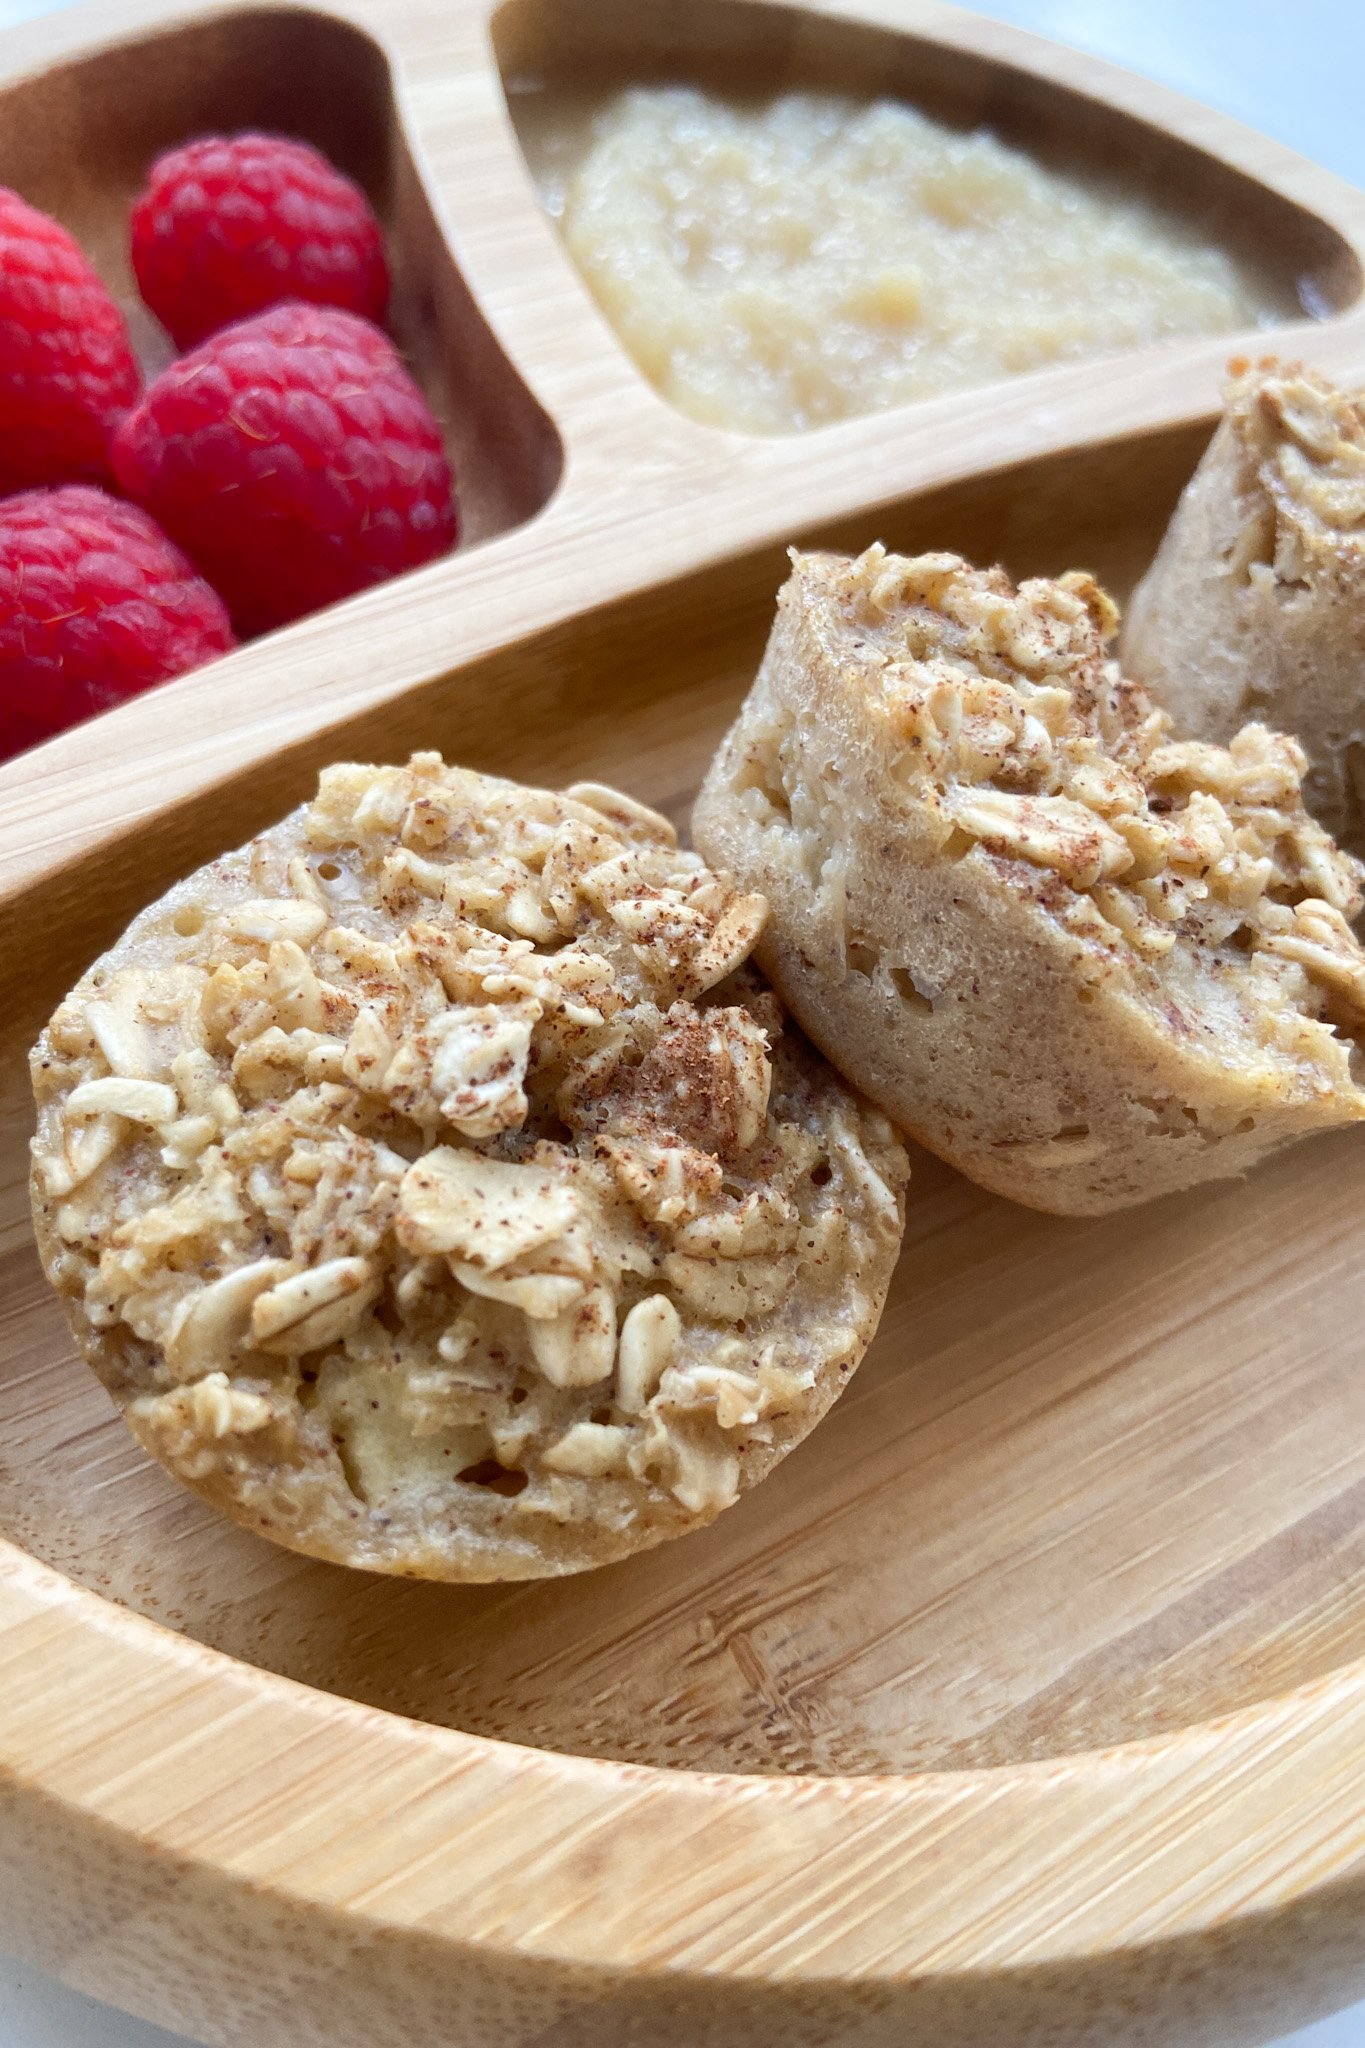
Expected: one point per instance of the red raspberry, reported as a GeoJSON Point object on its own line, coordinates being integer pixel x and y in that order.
{"type": "Point", "coordinates": [67, 370]}
{"type": "Point", "coordinates": [293, 459]}
{"type": "Point", "coordinates": [233, 223]}
{"type": "Point", "coordinates": [95, 605]}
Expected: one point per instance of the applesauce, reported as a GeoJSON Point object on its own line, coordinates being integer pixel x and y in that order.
{"type": "Point", "coordinates": [775, 266]}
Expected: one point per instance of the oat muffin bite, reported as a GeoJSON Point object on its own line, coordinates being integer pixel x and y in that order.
{"type": "Point", "coordinates": [1085, 962]}
{"type": "Point", "coordinates": [1255, 604]}
{"type": "Point", "coordinates": [436, 1190]}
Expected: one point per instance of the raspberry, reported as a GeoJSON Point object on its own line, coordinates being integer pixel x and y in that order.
{"type": "Point", "coordinates": [67, 370]}
{"type": "Point", "coordinates": [233, 223]}
{"type": "Point", "coordinates": [95, 605]}
{"type": "Point", "coordinates": [293, 459]}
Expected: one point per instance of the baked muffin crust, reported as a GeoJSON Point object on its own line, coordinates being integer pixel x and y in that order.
{"type": "Point", "coordinates": [1255, 604]}
{"type": "Point", "coordinates": [1082, 960]}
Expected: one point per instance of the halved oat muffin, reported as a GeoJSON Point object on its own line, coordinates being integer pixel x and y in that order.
{"type": "Point", "coordinates": [1255, 604]}
{"type": "Point", "coordinates": [436, 1191]}
{"type": "Point", "coordinates": [1081, 960]}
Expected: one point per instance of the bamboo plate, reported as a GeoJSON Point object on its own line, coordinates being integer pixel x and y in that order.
{"type": "Point", "coordinates": [1026, 1703]}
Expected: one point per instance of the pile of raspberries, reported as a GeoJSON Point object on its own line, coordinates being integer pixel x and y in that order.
{"type": "Point", "coordinates": [285, 461]}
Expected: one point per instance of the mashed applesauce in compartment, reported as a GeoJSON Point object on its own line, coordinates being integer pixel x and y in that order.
{"type": "Point", "coordinates": [778, 264]}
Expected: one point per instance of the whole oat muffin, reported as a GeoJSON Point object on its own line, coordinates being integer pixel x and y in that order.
{"type": "Point", "coordinates": [436, 1191]}
{"type": "Point", "coordinates": [1255, 604]}
{"type": "Point", "coordinates": [1081, 960]}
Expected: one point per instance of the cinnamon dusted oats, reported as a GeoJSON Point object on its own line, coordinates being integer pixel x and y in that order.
{"type": "Point", "coordinates": [437, 1191]}
{"type": "Point", "coordinates": [1082, 960]}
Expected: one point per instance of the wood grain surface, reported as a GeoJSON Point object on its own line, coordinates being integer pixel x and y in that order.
{"type": "Point", "coordinates": [1026, 1702]}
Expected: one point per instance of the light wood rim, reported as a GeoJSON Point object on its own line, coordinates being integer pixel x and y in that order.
{"type": "Point", "coordinates": [401, 1825]}
{"type": "Point", "coordinates": [796, 1880]}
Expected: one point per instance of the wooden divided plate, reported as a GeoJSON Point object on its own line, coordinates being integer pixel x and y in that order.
{"type": "Point", "coordinates": [1025, 1704]}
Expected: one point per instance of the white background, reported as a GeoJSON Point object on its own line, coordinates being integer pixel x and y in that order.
{"type": "Point", "coordinates": [1295, 70]}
